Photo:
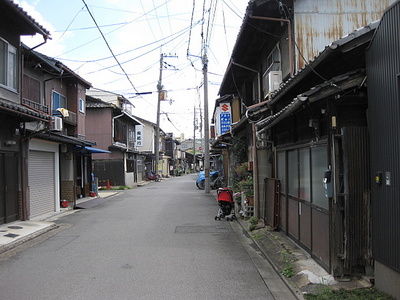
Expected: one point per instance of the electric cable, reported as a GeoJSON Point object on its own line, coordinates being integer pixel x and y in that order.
{"type": "Point", "coordinates": [73, 19]}
{"type": "Point", "coordinates": [109, 31]}
{"type": "Point", "coordinates": [143, 54]}
{"type": "Point", "coordinates": [105, 40]}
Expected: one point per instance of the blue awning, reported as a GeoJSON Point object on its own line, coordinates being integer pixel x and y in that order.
{"type": "Point", "coordinates": [96, 150]}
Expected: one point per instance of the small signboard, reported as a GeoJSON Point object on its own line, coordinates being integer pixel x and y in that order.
{"type": "Point", "coordinates": [139, 135]}
{"type": "Point", "coordinates": [225, 118]}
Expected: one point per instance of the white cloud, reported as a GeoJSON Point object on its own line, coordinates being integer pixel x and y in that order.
{"type": "Point", "coordinates": [54, 45]}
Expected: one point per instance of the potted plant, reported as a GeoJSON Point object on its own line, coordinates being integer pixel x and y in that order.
{"type": "Point", "coordinates": [246, 186]}
{"type": "Point", "coordinates": [243, 182]}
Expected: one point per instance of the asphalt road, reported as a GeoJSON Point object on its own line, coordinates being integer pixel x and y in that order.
{"type": "Point", "coordinates": [159, 241]}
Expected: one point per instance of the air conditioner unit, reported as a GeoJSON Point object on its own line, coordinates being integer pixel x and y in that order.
{"type": "Point", "coordinates": [57, 124]}
{"type": "Point", "coordinates": [272, 81]}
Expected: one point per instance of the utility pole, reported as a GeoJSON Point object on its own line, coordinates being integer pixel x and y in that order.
{"type": "Point", "coordinates": [159, 90]}
{"type": "Point", "coordinates": [206, 125]}
{"type": "Point", "coordinates": [161, 94]}
{"type": "Point", "coordinates": [194, 136]}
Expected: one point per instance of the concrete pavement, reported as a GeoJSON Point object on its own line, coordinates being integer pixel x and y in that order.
{"type": "Point", "coordinates": [18, 232]}
{"type": "Point", "coordinates": [265, 245]}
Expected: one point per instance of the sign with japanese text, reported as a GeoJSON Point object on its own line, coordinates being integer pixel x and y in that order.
{"type": "Point", "coordinates": [225, 118]}
{"type": "Point", "coordinates": [139, 135]}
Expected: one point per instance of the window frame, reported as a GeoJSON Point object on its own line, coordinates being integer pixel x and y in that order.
{"type": "Point", "coordinates": [82, 104]}
{"type": "Point", "coordinates": [53, 103]}
{"type": "Point", "coordinates": [10, 72]}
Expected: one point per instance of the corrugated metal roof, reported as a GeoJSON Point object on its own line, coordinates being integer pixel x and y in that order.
{"type": "Point", "coordinates": [346, 43]}
{"type": "Point", "coordinates": [333, 86]}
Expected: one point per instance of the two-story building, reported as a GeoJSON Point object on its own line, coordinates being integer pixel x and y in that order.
{"type": "Point", "coordinates": [43, 124]}
{"type": "Point", "coordinates": [111, 124]}
{"type": "Point", "coordinates": [14, 193]}
{"type": "Point", "coordinates": [298, 69]}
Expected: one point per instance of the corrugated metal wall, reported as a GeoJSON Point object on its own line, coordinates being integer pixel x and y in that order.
{"type": "Point", "coordinates": [383, 70]}
{"type": "Point", "coordinates": [41, 182]}
{"type": "Point", "coordinates": [319, 23]}
{"type": "Point", "coordinates": [357, 201]}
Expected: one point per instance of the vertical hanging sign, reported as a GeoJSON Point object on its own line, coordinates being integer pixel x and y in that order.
{"type": "Point", "coordinates": [139, 135]}
{"type": "Point", "coordinates": [225, 118]}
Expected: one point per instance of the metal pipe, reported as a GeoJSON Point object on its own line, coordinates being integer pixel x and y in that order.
{"type": "Point", "coordinates": [290, 38]}
{"type": "Point", "coordinates": [258, 78]}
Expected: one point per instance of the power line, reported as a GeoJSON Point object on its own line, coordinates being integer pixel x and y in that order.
{"type": "Point", "coordinates": [158, 19]}
{"type": "Point", "coordinates": [70, 23]}
{"type": "Point", "coordinates": [105, 40]}
{"type": "Point", "coordinates": [151, 28]}
{"type": "Point", "coordinates": [111, 30]}
{"type": "Point", "coordinates": [181, 32]}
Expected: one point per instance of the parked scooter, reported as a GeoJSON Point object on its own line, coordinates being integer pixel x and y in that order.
{"type": "Point", "coordinates": [153, 176]}
{"type": "Point", "coordinates": [216, 181]}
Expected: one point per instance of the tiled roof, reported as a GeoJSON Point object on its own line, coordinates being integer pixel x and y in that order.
{"type": "Point", "coordinates": [16, 108]}
{"type": "Point", "coordinates": [39, 28]}
{"type": "Point", "coordinates": [56, 65]}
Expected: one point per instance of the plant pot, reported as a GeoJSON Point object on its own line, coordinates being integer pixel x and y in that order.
{"type": "Point", "coordinates": [250, 199]}
{"type": "Point", "coordinates": [64, 203]}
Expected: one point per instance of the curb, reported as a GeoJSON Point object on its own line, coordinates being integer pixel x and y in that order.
{"type": "Point", "coordinates": [27, 238]}
{"type": "Point", "coordinates": [295, 291]}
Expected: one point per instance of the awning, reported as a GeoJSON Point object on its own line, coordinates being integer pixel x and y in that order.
{"type": "Point", "coordinates": [96, 150]}
{"type": "Point", "coordinates": [336, 85]}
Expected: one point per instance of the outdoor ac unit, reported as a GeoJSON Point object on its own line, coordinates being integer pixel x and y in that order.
{"type": "Point", "coordinates": [57, 124]}
{"type": "Point", "coordinates": [272, 80]}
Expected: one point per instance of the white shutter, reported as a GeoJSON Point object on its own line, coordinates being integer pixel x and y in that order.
{"type": "Point", "coordinates": [41, 182]}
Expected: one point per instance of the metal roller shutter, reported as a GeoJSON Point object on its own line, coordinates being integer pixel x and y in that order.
{"type": "Point", "coordinates": [41, 182]}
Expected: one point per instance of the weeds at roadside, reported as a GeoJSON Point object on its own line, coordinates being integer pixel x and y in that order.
{"type": "Point", "coordinates": [253, 223]}
{"type": "Point", "coordinates": [257, 236]}
{"type": "Point", "coordinates": [288, 270]}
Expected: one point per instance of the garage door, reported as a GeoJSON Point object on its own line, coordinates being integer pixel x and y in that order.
{"type": "Point", "coordinates": [41, 182]}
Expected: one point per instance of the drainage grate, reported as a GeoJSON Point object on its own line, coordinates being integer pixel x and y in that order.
{"type": "Point", "coordinates": [201, 229]}
{"type": "Point", "coordinates": [11, 235]}
{"type": "Point", "coordinates": [14, 227]}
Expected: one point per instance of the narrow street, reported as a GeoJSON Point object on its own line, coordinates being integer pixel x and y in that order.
{"type": "Point", "coordinates": [159, 241]}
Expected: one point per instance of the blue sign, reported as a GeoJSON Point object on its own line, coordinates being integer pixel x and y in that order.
{"type": "Point", "coordinates": [225, 122]}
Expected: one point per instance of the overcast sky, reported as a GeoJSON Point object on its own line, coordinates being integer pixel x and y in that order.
{"type": "Point", "coordinates": [136, 32]}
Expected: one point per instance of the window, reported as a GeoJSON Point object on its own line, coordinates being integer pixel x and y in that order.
{"type": "Point", "coordinates": [59, 101]}
{"type": "Point", "coordinates": [8, 65]}
{"type": "Point", "coordinates": [31, 89]}
{"type": "Point", "coordinates": [318, 166]}
{"type": "Point", "coordinates": [81, 105]}
{"type": "Point", "coordinates": [282, 170]}
{"type": "Point", "coordinates": [304, 160]}
{"type": "Point", "coordinates": [293, 175]}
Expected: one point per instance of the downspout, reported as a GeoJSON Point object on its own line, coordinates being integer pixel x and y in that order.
{"type": "Point", "coordinates": [254, 137]}
{"type": "Point", "coordinates": [45, 37]}
{"type": "Point", "coordinates": [290, 38]}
